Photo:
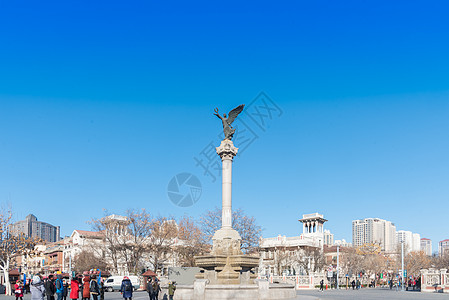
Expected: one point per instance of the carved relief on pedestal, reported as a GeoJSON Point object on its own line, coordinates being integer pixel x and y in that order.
{"type": "Point", "coordinates": [226, 247]}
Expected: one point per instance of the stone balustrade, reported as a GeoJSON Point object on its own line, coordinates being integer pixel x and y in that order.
{"type": "Point", "coordinates": [433, 280]}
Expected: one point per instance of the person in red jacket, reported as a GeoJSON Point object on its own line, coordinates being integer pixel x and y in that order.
{"type": "Point", "coordinates": [74, 289]}
{"type": "Point", "coordinates": [86, 287]}
{"type": "Point", "coordinates": [18, 290]}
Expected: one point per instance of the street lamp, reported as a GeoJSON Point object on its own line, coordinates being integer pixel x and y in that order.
{"type": "Point", "coordinates": [402, 264]}
{"type": "Point", "coordinates": [338, 262]}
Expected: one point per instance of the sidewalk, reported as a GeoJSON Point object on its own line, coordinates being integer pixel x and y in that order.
{"type": "Point", "coordinates": [368, 294]}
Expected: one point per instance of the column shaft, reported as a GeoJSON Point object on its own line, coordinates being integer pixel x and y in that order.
{"type": "Point", "coordinates": [226, 220]}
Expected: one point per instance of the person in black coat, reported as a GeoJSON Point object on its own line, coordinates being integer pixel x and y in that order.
{"type": "Point", "coordinates": [156, 289]}
{"type": "Point", "coordinates": [150, 289]}
{"type": "Point", "coordinates": [50, 288]}
{"type": "Point", "coordinates": [66, 290]}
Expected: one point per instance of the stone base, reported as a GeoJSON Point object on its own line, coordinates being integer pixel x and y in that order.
{"type": "Point", "coordinates": [227, 264]}
{"type": "Point", "coordinates": [233, 269]}
{"type": "Point", "coordinates": [201, 290]}
{"type": "Point", "coordinates": [226, 241]}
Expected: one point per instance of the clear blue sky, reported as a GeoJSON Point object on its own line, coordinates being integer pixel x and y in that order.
{"type": "Point", "coordinates": [101, 103]}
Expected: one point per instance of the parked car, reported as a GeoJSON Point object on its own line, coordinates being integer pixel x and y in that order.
{"type": "Point", "coordinates": [113, 283]}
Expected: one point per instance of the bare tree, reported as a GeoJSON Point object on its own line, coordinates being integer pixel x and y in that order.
{"type": "Point", "coordinates": [311, 259]}
{"type": "Point", "coordinates": [190, 243]}
{"type": "Point", "coordinates": [135, 242]}
{"type": "Point", "coordinates": [86, 260]}
{"type": "Point", "coordinates": [245, 225]}
{"type": "Point", "coordinates": [126, 239]}
{"type": "Point", "coordinates": [284, 258]}
{"type": "Point", "coordinates": [415, 261]}
{"type": "Point", "coordinates": [163, 238]}
{"type": "Point", "coordinates": [11, 245]}
{"type": "Point", "coordinates": [352, 262]}
{"type": "Point", "coordinates": [374, 263]}
{"type": "Point", "coordinates": [112, 230]}
{"type": "Point", "coordinates": [440, 261]}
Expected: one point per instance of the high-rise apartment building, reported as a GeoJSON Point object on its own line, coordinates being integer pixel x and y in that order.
{"type": "Point", "coordinates": [374, 230]}
{"type": "Point", "coordinates": [412, 241]}
{"type": "Point", "coordinates": [443, 247]}
{"type": "Point", "coordinates": [31, 227]}
{"type": "Point", "coordinates": [416, 242]}
{"type": "Point", "coordinates": [426, 246]}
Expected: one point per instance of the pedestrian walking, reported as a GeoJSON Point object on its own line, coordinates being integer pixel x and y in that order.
{"type": "Point", "coordinates": [59, 284]}
{"type": "Point", "coordinates": [86, 287]}
{"type": "Point", "coordinates": [126, 288]}
{"type": "Point", "coordinates": [81, 285]}
{"type": "Point", "coordinates": [18, 290]}
{"type": "Point", "coordinates": [94, 288]}
{"type": "Point", "coordinates": [101, 288]}
{"type": "Point", "coordinates": [321, 285]}
{"type": "Point", "coordinates": [50, 288]}
{"type": "Point", "coordinates": [353, 284]}
{"type": "Point", "coordinates": [150, 289]}
{"type": "Point", "coordinates": [74, 289]}
{"type": "Point", "coordinates": [37, 288]}
{"type": "Point", "coordinates": [171, 290]}
{"type": "Point", "coordinates": [156, 289]}
{"type": "Point", "coordinates": [66, 290]}
{"type": "Point", "coordinates": [26, 286]}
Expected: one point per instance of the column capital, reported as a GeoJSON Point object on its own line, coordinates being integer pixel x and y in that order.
{"type": "Point", "coordinates": [226, 150]}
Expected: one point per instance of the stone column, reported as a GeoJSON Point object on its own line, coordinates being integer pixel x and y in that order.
{"type": "Point", "coordinates": [227, 151]}
{"type": "Point", "coordinates": [226, 240]}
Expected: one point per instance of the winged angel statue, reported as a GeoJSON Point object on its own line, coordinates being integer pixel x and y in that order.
{"type": "Point", "coordinates": [227, 121]}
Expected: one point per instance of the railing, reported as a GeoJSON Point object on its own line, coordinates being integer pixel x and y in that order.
{"type": "Point", "coordinates": [312, 215]}
{"type": "Point", "coordinates": [299, 281]}
{"type": "Point", "coordinates": [433, 280]}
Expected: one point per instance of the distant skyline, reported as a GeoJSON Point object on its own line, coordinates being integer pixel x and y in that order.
{"type": "Point", "coordinates": [103, 103]}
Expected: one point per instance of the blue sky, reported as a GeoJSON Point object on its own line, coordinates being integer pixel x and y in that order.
{"type": "Point", "coordinates": [101, 104]}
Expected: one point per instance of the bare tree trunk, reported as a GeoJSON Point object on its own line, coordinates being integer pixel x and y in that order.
{"type": "Point", "coordinates": [5, 270]}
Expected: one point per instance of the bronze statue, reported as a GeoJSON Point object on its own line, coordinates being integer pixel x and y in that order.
{"type": "Point", "coordinates": [227, 121]}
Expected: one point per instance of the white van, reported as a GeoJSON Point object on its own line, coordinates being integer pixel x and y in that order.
{"type": "Point", "coordinates": [114, 283]}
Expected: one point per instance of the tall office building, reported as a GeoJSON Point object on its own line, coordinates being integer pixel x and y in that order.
{"type": "Point", "coordinates": [443, 247]}
{"type": "Point", "coordinates": [31, 227]}
{"type": "Point", "coordinates": [426, 246]}
{"type": "Point", "coordinates": [374, 230]}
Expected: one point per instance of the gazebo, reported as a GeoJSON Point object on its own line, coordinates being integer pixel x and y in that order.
{"type": "Point", "coordinates": [14, 275]}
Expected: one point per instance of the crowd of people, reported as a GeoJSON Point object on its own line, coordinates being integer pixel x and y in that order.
{"type": "Point", "coordinates": [84, 287]}
{"type": "Point", "coordinates": [51, 288]}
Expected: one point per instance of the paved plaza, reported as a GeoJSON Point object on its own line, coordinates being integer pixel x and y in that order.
{"type": "Point", "coordinates": [363, 294]}
{"type": "Point", "coordinates": [368, 294]}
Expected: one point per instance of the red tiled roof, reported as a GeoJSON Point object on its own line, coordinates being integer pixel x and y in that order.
{"type": "Point", "coordinates": [446, 240]}
{"type": "Point", "coordinates": [149, 273]}
{"type": "Point", "coordinates": [14, 273]}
